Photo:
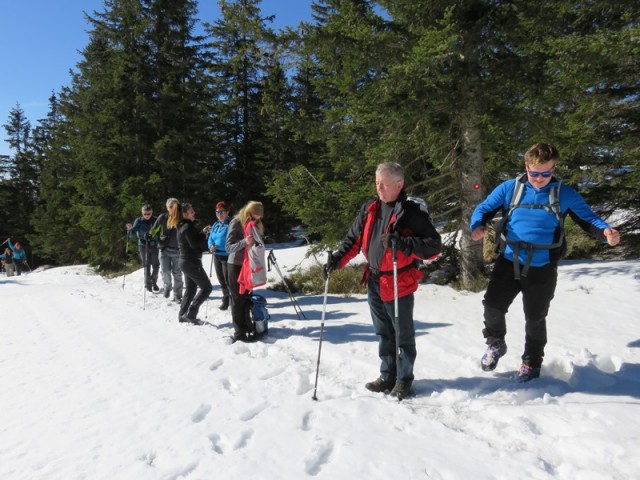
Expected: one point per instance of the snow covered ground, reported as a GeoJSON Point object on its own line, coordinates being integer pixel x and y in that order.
{"type": "Point", "coordinates": [93, 386]}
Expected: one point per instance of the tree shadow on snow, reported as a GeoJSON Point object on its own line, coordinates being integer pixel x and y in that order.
{"type": "Point", "coordinates": [587, 379]}
{"type": "Point", "coordinates": [613, 268]}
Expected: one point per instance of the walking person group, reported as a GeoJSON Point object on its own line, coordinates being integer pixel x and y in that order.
{"type": "Point", "coordinates": [180, 245]}
{"type": "Point", "coordinates": [14, 258]}
{"type": "Point", "coordinates": [394, 231]}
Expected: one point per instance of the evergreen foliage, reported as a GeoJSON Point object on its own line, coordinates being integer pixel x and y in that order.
{"type": "Point", "coordinates": [298, 119]}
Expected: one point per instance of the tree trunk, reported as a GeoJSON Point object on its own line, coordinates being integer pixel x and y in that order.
{"type": "Point", "coordinates": [472, 275]}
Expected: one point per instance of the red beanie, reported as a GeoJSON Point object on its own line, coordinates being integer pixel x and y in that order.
{"type": "Point", "coordinates": [222, 205]}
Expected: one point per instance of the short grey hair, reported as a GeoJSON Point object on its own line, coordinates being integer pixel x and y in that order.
{"type": "Point", "coordinates": [392, 168]}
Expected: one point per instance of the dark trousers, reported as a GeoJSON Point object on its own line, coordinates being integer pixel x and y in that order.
{"type": "Point", "coordinates": [537, 289]}
{"type": "Point", "coordinates": [222, 274]}
{"type": "Point", "coordinates": [197, 287]}
{"type": "Point", "coordinates": [240, 303]}
{"type": "Point", "coordinates": [382, 314]}
{"type": "Point", "coordinates": [150, 267]}
{"type": "Point", "coordinates": [19, 265]}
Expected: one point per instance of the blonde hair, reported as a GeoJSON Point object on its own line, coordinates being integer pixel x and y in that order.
{"type": "Point", "coordinates": [175, 213]}
{"type": "Point", "coordinates": [251, 208]}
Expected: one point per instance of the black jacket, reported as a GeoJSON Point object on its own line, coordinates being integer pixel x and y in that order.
{"type": "Point", "coordinates": [191, 241]}
{"type": "Point", "coordinates": [167, 237]}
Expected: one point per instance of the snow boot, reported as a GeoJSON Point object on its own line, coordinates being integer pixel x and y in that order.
{"type": "Point", "coordinates": [380, 385]}
{"type": "Point", "coordinates": [526, 373]}
{"type": "Point", "coordinates": [494, 352]}
{"type": "Point", "coordinates": [401, 390]}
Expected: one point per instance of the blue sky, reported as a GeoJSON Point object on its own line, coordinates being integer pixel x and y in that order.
{"type": "Point", "coordinates": [40, 42]}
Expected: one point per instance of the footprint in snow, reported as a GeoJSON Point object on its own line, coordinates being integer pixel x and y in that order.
{"type": "Point", "coordinates": [304, 384]}
{"type": "Point", "coordinates": [319, 457]}
{"type": "Point", "coordinates": [201, 413]}
{"type": "Point", "coordinates": [253, 412]}
{"type": "Point", "coordinates": [215, 365]}
{"type": "Point", "coordinates": [306, 422]}
{"type": "Point", "coordinates": [216, 443]}
{"type": "Point", "coordinates": [273, 373]}
{"type": "Point", "coordinates": [243, 441]}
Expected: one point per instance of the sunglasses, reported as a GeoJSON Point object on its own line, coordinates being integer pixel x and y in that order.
{"type": "Point", "coordinates": [220, 212]}
{"type": "Point", "coordinates": [546, 174]}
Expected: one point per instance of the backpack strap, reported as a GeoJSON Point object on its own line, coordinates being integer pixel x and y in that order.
{"type": "Point", "coordinates": [552, 207]}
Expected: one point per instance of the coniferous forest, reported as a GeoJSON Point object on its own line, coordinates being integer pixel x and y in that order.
{"type": "Point", "coordinates": [299, 118]}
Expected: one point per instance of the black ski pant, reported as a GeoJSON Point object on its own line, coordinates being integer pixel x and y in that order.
{"type": "Point", "coordinates": [151, 266]}
{"type": "Point", "coordinates": [537, 289]}
{"type": "Point", "coordinates": [240, 303]}
{"type": "Point", "coordinates": [222, 274]}
{"type": "Point", "coordinates": [197, 287]}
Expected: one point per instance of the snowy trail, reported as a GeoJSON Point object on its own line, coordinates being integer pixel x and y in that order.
{"type": "Point", "coordinates": [96, 387]}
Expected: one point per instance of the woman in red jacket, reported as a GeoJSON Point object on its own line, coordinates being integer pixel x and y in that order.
{"type": "Point", "coordinates": [240, 237]}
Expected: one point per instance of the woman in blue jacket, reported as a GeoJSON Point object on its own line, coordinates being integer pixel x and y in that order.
{"type": "Point", "coordinates": [217, 241]}
{"type": "Point", "coordinates": [19, 256]}
{"type": "Point", "coordinates": [533, 242]}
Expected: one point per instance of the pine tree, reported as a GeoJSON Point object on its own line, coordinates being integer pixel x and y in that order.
{"type": "Point", "coordinates": [135, 125]}
{"type": "Point", "coordinates": [251, 92]}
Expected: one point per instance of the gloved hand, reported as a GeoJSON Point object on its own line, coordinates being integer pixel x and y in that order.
{"type": "Point", "coordinates": [147, 237]}
{"type": "Point", "coordinates": [389, 237]}
{"type": "Point", "coordinates": [331, 265]}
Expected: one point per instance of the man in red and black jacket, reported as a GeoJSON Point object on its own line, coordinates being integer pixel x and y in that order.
{"type": "Point", "coordinates": [391, 218]}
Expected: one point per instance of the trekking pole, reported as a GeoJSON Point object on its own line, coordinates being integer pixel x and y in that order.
{"type": "Point", "coordinates": [206, 307]}
{"type": "Point", "coordinates": [324, 310]}
{"type": "Point", "coordinates": [126, 257]}
{"type": "Point", "coordinates": [146, 275]}
{"type": "Point", "coordinates": [396, 320]}
{"type": "Point", "coordinates": [271, 260]}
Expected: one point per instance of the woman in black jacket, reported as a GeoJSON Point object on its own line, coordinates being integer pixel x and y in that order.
{"type": "Point", "coordinates": [192, 243]}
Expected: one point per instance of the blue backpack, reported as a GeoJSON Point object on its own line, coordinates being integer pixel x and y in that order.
{"type": "Point", "coordinates": [260, 314]}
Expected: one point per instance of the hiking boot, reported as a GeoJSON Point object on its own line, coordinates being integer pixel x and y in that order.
{"type": "Point", "coordinates": [527, 373]}
{"type": "Point", "coordinates": [167, 292]}
{"type": "Point", "coordinates": [148, 288]}
{"type": "Point", "coordinates": [155, 287]}
{"type": "Point", "coordinates": [225, 304]}
{"type": "Point", "coordinates": [244, 337]}
{"type": "Point", "coordinates": [401, 390]}
{"type": "Point", "coordinates": [380, 385]}
{"type": "Point", "coordinates": [187, 319]}
{"type": "Point", "coordinates": [177, 299]}
{"type": "Point", "coordinates": [490, 358]}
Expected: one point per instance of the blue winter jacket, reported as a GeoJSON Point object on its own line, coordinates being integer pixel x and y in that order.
{"type": "Point", "coordinates": [141, 226]}
{"type": "Point", "coordinates": [538, 225]}
{"type": "Point", "coordinates": [218, 237]}
{"type": "Point", "coordinates": [18, 253]}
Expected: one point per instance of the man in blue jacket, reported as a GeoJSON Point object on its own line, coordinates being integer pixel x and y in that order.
{"type": "Point", "coordinates": [147, 246]}
{"type": "Point", "coordinates": [532, 243]}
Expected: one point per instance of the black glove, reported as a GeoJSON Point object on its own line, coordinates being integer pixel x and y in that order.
{"type": "Point", "coordinates": [389, 237]}
{"type": "Point", "coordinates": [331, 265]}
